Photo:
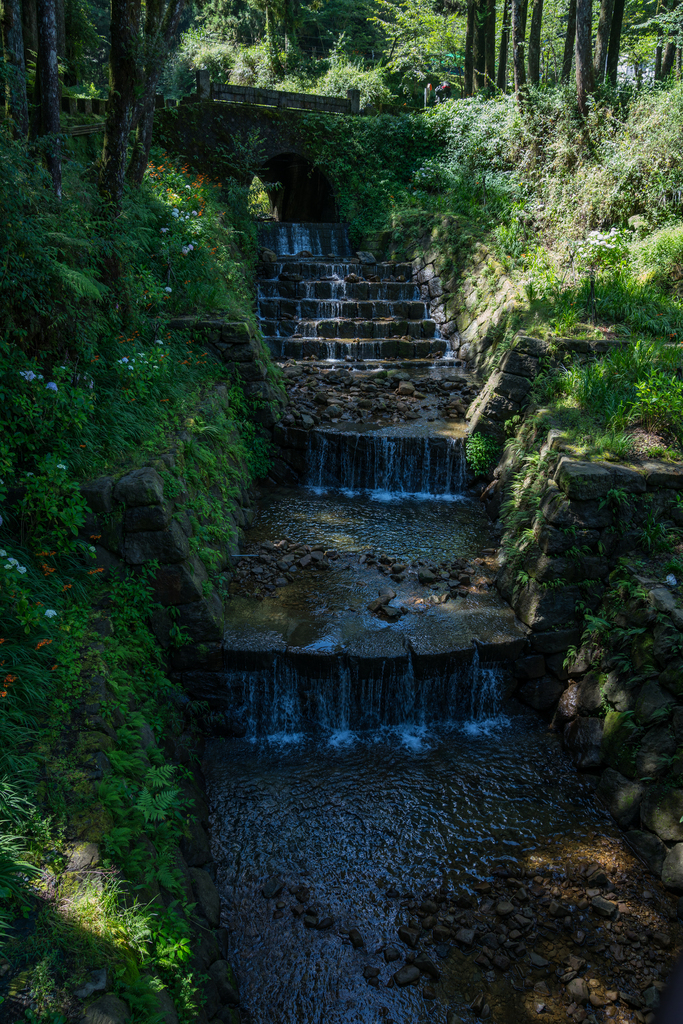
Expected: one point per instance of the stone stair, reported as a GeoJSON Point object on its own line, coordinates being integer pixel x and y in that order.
{"type": "Point", "coordinates": [344, 309]}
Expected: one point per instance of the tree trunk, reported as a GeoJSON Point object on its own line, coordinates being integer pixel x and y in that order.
{"type": "Point", "coordinates": [29, 26]}
{"type": "Point", "coordinates": [602, 40]}
{"type": "Point", "coordinates": [61, 29]}
{"type": "Point", "coordinates": [534, 60]}
{"type": "Point", "coordinates": [668, 59]}
{"type": "Point", "coordinates": [518, 27]}
{"type": "Point", "coordinates": [160, 28]}
{"type": "Point", "coordinates": [49, 90]}
{"type": "Point", "coordinates": [123, 76]}
{"type": "Point", "coordinates": [568, 56]}
{"type": "Point", "coordinates": [615, 41]}
{"type": "Point", "coordinates": [468, 82]}
{"type": "Point", "coordinates": [658, 59]}
{"type": "Point", "coordinates": [15, 83]}
{"type": "Point", "coordinates": [679, 62]}
{"type": "Point", "coordinates": [479, 56]}
{"type": "Point", "coordinates": [502, 80]}
{"type": "Point", "coordinates": [491, 45]}
{"type": "Point", "coordinates": [584, 64]}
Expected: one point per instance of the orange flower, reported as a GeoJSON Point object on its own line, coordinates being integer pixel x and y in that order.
{"type": "Point", "coordinates": [9, 679]}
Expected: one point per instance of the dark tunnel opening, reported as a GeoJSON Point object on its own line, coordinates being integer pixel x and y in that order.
{"type": "Point", "coordinates": [303, 195]}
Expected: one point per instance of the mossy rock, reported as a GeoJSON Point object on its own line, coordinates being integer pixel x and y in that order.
{"type": "Point", "coordinates": [92, 824]}
{"type": "Point", "coordinates": [91, 742]}
{"type": "Point", "coordinates": [642, 653]}
{"type": "Point", "coordinates": [618, 747]}
{"type": "Point", "coordinates": [672, 677]}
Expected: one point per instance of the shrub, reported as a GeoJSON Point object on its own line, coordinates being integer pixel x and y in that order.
{"type": "Point", "coordinates": [482, 453]}
{"type": "Point", "coordinates": [659, 257]}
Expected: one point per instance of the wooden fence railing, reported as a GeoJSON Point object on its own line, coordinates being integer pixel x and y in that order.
{"type": "Point", "coordinates": [206, 90]}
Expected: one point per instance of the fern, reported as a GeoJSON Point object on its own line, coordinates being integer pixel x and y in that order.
{"type": "Point", "coordinates": [82, 285]}
{"type": "Point", "coordinates": [157, 807]}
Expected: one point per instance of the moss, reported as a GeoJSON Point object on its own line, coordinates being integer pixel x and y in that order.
{"type": "Point", "coordinates": [618, 746]}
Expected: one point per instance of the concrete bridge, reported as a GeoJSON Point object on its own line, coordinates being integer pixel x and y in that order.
{"type": "Point", "coordinates": [245, 132]}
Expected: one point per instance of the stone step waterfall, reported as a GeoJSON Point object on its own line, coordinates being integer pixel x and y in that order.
{"type": "Point", "coordinates": [329, 305]}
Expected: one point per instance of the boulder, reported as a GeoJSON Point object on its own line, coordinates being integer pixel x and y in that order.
{"type": "Point", "coordinates": [202, 619]}
{"type": "Point", "coordinates": [583, 739]}
{"type": "Point", "coordinates": [653, 699]}
{"type": "Point", "coordinates": [618, 738]}
{"type": "Point", "coordinates": [541, 694]}
{"type": "Point", "coordinates": [196, 850]}
{"type": "Point", "coordinates": [206, 895]}
{"type": "Point", "coordinates": [672, 868]}
{"type": "Point", "coordinates": [658, 745]}
{"type": "Point", "coordinates": [621, 797]}
{"type": "Point", "coordinates": [580, 698]}
{"type": "Point", "coordinates": [141, 487]}
{"type": "Point", "coordinates": [98, 494]}
{"type": "Point", "coordinates": [661, 812]}
{"type": "Point", "coordinates": [180, 583]}
{"type": "Point", "coordinates": [530, 667]}
{"type": "Point", "coordinates": [583, 481]}
{"type": "Point", "coordinates": [222, 974]}
{"type": "Point", "coordinates": [107, 1009]}
{"type": "Point", "coordinates": [169, 545]}
{"type": "Point", "coordinates": [146, 517]}
{"type": "Point", "coordinates": [649, 848]}
{"type": "Point", "coordinates": [542, 609]}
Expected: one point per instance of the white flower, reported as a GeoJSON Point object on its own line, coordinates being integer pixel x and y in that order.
{"type": "Point", "coordinates": [27, 374]}
{"type": "Point", "coordinates": [169, 290]}
{"type": "Point", "coordinates": [188, 188]}
{"type": "Point", "coordinates": [191, 247]}
{"type": "Point", "coordinates": [50, 613]}
{"type": "Point", "coordinates": [12, 561]}
{"type": "Point", "coordinates": [157, 342]}
{"type": "Point", "coordinates": [164, 231]}
{"type": "Point", "coordinates": [124, 360]}
{"type": "Point", "coordinates": [60, 465]}
{"type": "Point", "coordinates": [91, 548]}
{"type": "Point", "coordinates": [184, 250]}
{"type": "Point", "coordinates": [175, 213]}
{"type": "Point", "coordinates": [51, 386]}
{"type": "Point", "coordinates": [194, 213]}
{"type": "Point", "coordinates": [3, 553]}
{"type": "Point", "coordinates": [671, 580]}
{"type": "Point", "coordinates": [21, 569]}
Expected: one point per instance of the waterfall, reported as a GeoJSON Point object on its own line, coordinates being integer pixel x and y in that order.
{"type": "Point", "coordinates": [294, 695]}
{"type": "Point", "coordinates": [395, 465]}
{"type": "Point", "coordinates": [288, 239]}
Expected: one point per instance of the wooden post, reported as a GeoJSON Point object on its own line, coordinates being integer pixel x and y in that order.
{"type": "Point", "coordinates": [353, 96]}
{"type": "Point", "coordinates": [203, 84]}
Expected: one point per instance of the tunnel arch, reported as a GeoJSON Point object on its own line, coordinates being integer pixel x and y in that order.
{"type": "Point", "coordinates": [304, 193]}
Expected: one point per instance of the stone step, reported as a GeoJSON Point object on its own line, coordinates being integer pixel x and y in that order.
{"type": "Point", "coordinates": [318, 268]}
{"type": "Point", "coordinates": [320, 309]}
{"type": "Point", "coordinates": [339, 291]}
{"type": "Point", "coordinates": [349, 329]}
{"type": "Point", "coordinates": [368, 348]}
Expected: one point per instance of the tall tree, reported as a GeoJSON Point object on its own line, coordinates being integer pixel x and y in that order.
{"type": "Point", "coordinates": [615, 41]}
{"type": "Point", "coordinates": [519, 8]}
{"type": "Point", "coordinates": [668, 59]}
{"type": "Point", "coordinates": [602, 39]}
{"type": "Point", "coordinates": [568, 56]}
{"type": "Point", "coordinates": [534, 47]}
{"type": "Point", "coordinates": [15, 77]}
{"type": "Point", "coordinates": [29, 26]}
{"type": "Point", "coordinates": [479, 49]}
{"type": "Point", "coordinates": [501, 81]}
{"type": "Point", "coordinates": [123, 85]}
{"type": "Point", "coordinates": [468, 77]}
{"type": "Point", "coordinates": [49, 90]}
{"type": "Point", "coordinates": [584, 64]}
{"type": "Point", "coordinates": [161, 22]}
{"type": "Point", "coordinates": [491, 44]}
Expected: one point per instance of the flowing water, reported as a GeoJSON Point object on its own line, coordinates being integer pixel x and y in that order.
{"type": "Point", "coordinates": [380, 763]}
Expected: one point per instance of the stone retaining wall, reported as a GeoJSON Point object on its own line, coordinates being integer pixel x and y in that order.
{"type": "Point", "coordinates": [615, 695]}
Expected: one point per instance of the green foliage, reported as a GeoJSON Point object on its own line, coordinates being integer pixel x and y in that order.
{"type": "Point", "coordinates": [660, 256]}
{"type": "Point", "coordinates": [482, 453]}
{"type": "Point", "coordinates": [658, 403]}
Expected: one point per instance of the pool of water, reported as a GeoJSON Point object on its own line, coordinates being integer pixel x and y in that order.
{"type": "Point", "coordinates": [367, 822]}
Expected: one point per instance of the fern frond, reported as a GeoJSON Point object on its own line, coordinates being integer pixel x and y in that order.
{"type": "Point", "coordinates": [83, 286]}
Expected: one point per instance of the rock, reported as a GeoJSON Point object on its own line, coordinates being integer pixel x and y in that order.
{"type": "Point", "coordinates": [580, 698]}
{"type": "Point", "coordinates": [370, 972]}
{"type": "Point", "coordinates": [651, 998]}
{"type": "Point", "coordinates": [406, 388]}
{"type": "Point", "coordinates": [425, 965]}
{"type": "Point", "coordinates": [391, 954]}
{"type": "Point", "coordinates": [653, 753]}
{"type": "Point", "coordinates": [170, 545]}
{"type": "Point", "coordinates": [356, 938]}
{"type": "Point", "coordinates": [541, 694]}
{"type": "Point", "coordinates": [543, 609]}
{"type": "Point", "coordinates": [583, 481]}
{"type": "Point", "coordinates": [97, 983]}
{"type": "Point", "coordinates": [649, 848]}
{"type": "Point", "coordinates": [425, 576]}
{"type": "Point", "coordinates": [617, 743]}
{"type": "Point", "coordinates": [537, 961]}
{"type": "Point", "coordinates": [210, 1000]}
{"type": "Point", "coordinates": [578, 991]}
{"type": "Point", "coordinates": [605, 908]}
{"type": "Point", "coordinates": [530, 667]}
{"type": "Point", "coordinates": [408, 975]}
{"type": "Point", "coordinates": [141, 487]}
{"type": "Point", "coordinates": [166, 1008]}
{"type": "Point", "coordinates": [179, 583]}
{"type": "Point", "coordinates": [206, 895]}
{"type": "Point", "coordinates": [98, 494]}
{"type": "Point", "coordinates": [504, 909]}
{"type": "Point", "coordinates": [83, 856]}
{"type": "Point", "coordinates": [662, 599]}
{"type": "Point", "coordinates": [672, 868]}
{"type": "Point", "coordinates": [661, 811]}
{"type": "Point", "coordinates": [465, 936]}
{"type": "Point", "coordinates": [582, 739]}
{"type": "Point", "coordinates": [652, 700]}
{"type": "Point", "coordinates": [409, 935]}
{"type": "Point", "coordinates": [108, 1009]}
{"type": "Point", "coordinates": [203, 619]}
{"type": "Point", "coordinates": [620, 796]}
{"type": "Point", "coordinates": [272, 888]}
{"type": "Point", "coordinates": [196, 850]}
{"type": "Point", "coordinates": [326, 923]}
{"type": "Point", "coordinates": [221, 973]}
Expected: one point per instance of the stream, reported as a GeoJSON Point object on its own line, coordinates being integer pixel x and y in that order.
{"type": "Point", "coordinates": [385, 800]}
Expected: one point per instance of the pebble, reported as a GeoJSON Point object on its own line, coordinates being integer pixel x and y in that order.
{"type": "Point", "coordinates": [272, 888]}
{"type": "Point", "coordinates": [407, 975]}
{"type": "Point", "coordinates": [356, 938]}
{"type": "Point", "coordinates": [391, 954]}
